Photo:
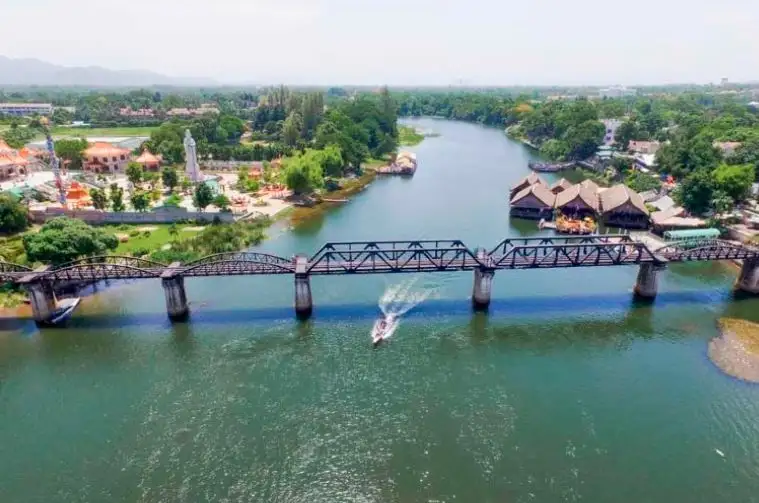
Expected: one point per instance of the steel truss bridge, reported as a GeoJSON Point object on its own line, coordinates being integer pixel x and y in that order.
{"type": "Point", "coordinates": [379, 257]}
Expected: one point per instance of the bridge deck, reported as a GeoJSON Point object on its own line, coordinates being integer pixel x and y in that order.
{"type": "Point", "coordinates": [380, 257]}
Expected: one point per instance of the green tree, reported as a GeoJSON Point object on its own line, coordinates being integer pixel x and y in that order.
{"type": "Point", "coordinates": [134, 173]}
{"type": "Point", "coordinates": [641, 182]}
{"type": "Point", "coordinates": [721, 202]}
{"type": "Point", "coordinates": [99, 199]}
{"type": "Point", "coordinates": [203, 196]}
{"type": "Point", "coordinates": [170, 178]}
{"type": "Point", "coordinates": [291, 129]}
{"type": "Point", "coordinates": [172, 201]}
{"type": "Point", "coordinates": [61, 116]}
{"type": "Point", "coordinates": [140, 200]}
{"type": "Point", "coordinates": [735, 180]}
{"type": "Point", "coordinates": [13, 215]}
{"type": "Point", "coordinates": [64, 239]}
{"type": "Point", "coordinates": [173, 231]}
{"type": "Point", "coordinates": [71, 150]}
{"type": "Point", "coordinates": [696, 191]}
{"type": "Point", "coordinates": [222, 202]}
{"type": "Point", "coordinates": [303, 174]}
{"type": "Point", "coordinates": [151, 178]}
{"type": "Point", "coordinates": [117, 198]}
{"type": "Point", "coordinates": [554, 149]}
{"type": "Point", "coordinates": [583, 140]}
{"type": "Point", "coordinates": [331, 160]}
{"type": "Point", "coordinates": [626, 132]}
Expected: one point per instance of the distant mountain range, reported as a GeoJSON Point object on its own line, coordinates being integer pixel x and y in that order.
{"type": "Point", "coordinates": [29, 72]}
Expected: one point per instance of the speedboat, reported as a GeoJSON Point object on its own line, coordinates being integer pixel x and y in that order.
{"type": "Point", "coordinates": [383, 329]}
{"type": "Point", "coordinates": [64, 310]}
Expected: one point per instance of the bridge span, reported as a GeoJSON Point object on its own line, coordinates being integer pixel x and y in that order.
{"type": "Point", "coordinates": [382, 257]}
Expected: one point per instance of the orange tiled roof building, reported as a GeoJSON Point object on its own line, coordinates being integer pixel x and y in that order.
{"type": "Point", "coordinates": [102, 157]}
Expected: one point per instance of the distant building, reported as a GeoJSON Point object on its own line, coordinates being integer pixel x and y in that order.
{"type": "Point", "coordinates": [26, 109]}
{"type": "Point", "coordinates": [102, 157]}
{"type": "Point", "coordinates": [644, 147]}
{"type": "Point", "coordinates": [205, 108]}
{"type": "Point", "coordinates": [723, 82]}
{"type": "Point", "coordinates": [142, 112]}
{"type": "Point", "coordinates": [611, 126]}
{"type": "Point", "coordinates": [616, 92]}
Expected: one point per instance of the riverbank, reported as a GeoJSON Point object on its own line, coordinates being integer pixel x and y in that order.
{"type": "Point", "coordinates": [408, 136]}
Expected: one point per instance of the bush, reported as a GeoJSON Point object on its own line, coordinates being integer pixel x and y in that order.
{"type": "Point", "coordinates": [134, 234]}
{"type": "Point", "coordinates": [140, 252]}
{"type": "Point", "coordinates": [146, 234]}
{"type": "Point", "coordinates": [124, 227]}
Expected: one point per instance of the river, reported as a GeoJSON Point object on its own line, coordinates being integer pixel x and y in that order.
{"type": "Point", "coordinates": [566, 391]}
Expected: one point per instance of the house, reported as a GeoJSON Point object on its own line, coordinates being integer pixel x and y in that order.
{"type": "Point", "coordinates": [611, 126]}
{"type": "Point", "coordinates": [673, 219]}
{"type": "Point", "coordinates": [590, 184]}
{"type": "Point", "coordinates": [727, 147]}
{"type": "Point", "coordinates": [560, 186]}
{"type": "Point", "coordinates": [525, 182]}
{"type": "Point", "coordinates": [142, 112]}
{"type": "Point", "coordinates": [149, 161]}
{"type": "Point", "coordinates": [205, 108]}
{"type": "Point", "coordinates": [534, 202]}
{"type": "Point", "coordinates": [623, 207]}
{"type": "Point", "coordinates": [14, 162]}
{"type": "Point", "coordinates": [663, 203]}
{"type": "Point", "coordinates": [644, 147]}
{"type": "Point", "coordinates": [26, 109]}
{"type": "Point", "coordinates": [578, 202]}
{"type": "Point", "coordinates": [102, 157]}
{"type": "Point", "coordinates": [644, 162]}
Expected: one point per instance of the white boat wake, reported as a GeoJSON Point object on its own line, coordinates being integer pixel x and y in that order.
{"type": "Point", "coordinates": [398, 300]}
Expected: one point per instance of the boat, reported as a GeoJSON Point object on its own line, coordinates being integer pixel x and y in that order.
{"type": "Point", "coordinates": [544, 167]}
{"type": "Point", "coordinates": [383, 329]}
{"type": "Point", "coordinates": [63, 312]}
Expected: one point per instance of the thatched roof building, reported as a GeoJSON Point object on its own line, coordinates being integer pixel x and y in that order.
{"type": "Point", "coordinates": [560, 186]}
{"type": "Point", "coordinates": [531, 179]}
{"type": "Point", "coordinates": [590, 184]}
{"type": "Point", "coordinates": [533, 202]}
{"type": "Point", "coordinates": [578, 201]}
{"type": "Point", "coordinates": [623, 207]}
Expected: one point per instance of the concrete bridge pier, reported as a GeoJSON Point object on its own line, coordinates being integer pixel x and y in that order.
{"type": "Point", "coordinates": [303, 301]}
{"type": "Point", "coordinates": [483, 283]}
{"type": "Point", "coordinates": [748, 279]}
{"type": "Point", "coordinates": [647, 284]}
{"type": "Point", "coordinates": [43, 301]}
{"type": "Point", "coordinates": [176, 298]}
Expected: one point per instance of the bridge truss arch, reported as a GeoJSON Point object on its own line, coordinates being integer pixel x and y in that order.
{"type": "Point", "coordinates": [238, 263]}
{"type": "Point", "coordinates": [712, 249]}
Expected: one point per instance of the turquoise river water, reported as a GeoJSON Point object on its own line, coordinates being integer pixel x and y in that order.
{"type": "Point", "coordinates": [565, 391]}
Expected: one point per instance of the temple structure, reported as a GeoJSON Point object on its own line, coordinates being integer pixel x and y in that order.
{"type": "Point", "coordinates": [191, 154]}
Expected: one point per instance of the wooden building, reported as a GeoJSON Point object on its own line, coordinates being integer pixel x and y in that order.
{"type": "Point", "coordinates": [534, 202]}
{"type": "Point", "coordinates": [578, 202]}
{"type": "Point", "coordinates": [560, 186]}
{"type": "Point", "coordinates": [623, 207]}
{"type": "Point", "coordinates": [531, 179]}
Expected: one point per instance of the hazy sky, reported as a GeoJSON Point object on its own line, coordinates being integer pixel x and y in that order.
{"type": "Point", "coordinates": [487, 42]}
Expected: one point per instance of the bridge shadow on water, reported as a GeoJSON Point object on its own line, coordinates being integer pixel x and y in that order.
{"type": "Point", "coordinates": [501, 309]}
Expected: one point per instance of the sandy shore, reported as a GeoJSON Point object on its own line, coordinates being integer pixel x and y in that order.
{"type": "Point", "coordinates": [736, 350]}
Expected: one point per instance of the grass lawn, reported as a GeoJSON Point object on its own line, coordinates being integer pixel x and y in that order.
{"type": "Point", "coordinates": [112, 131]}
{"type": "Point", "coordinates": [408, 136]}
{"type": "Point", "coordinates": [152, 242]}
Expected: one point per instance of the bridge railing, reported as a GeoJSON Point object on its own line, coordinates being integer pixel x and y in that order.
{"type": "Point", "coordinates": [353, 246]}
{"type": "Point", "coordinates": [574, 255]}
{"type": "Point", "coordinates": [508, 244]}
{"type": "Point", "coordinates": [393, 260]}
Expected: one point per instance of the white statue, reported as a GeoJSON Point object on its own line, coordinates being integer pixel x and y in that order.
{"type": "Point", "coordinates": [191, 154]}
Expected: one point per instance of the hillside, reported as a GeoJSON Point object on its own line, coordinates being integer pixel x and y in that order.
{"type": "Point", "coordinates": [27, 72]}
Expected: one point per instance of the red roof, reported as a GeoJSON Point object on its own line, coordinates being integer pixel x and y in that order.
{"type": "Point", "coordinates": [148, 158]}
{"type": "Point", "coordinates": [104, 149]}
